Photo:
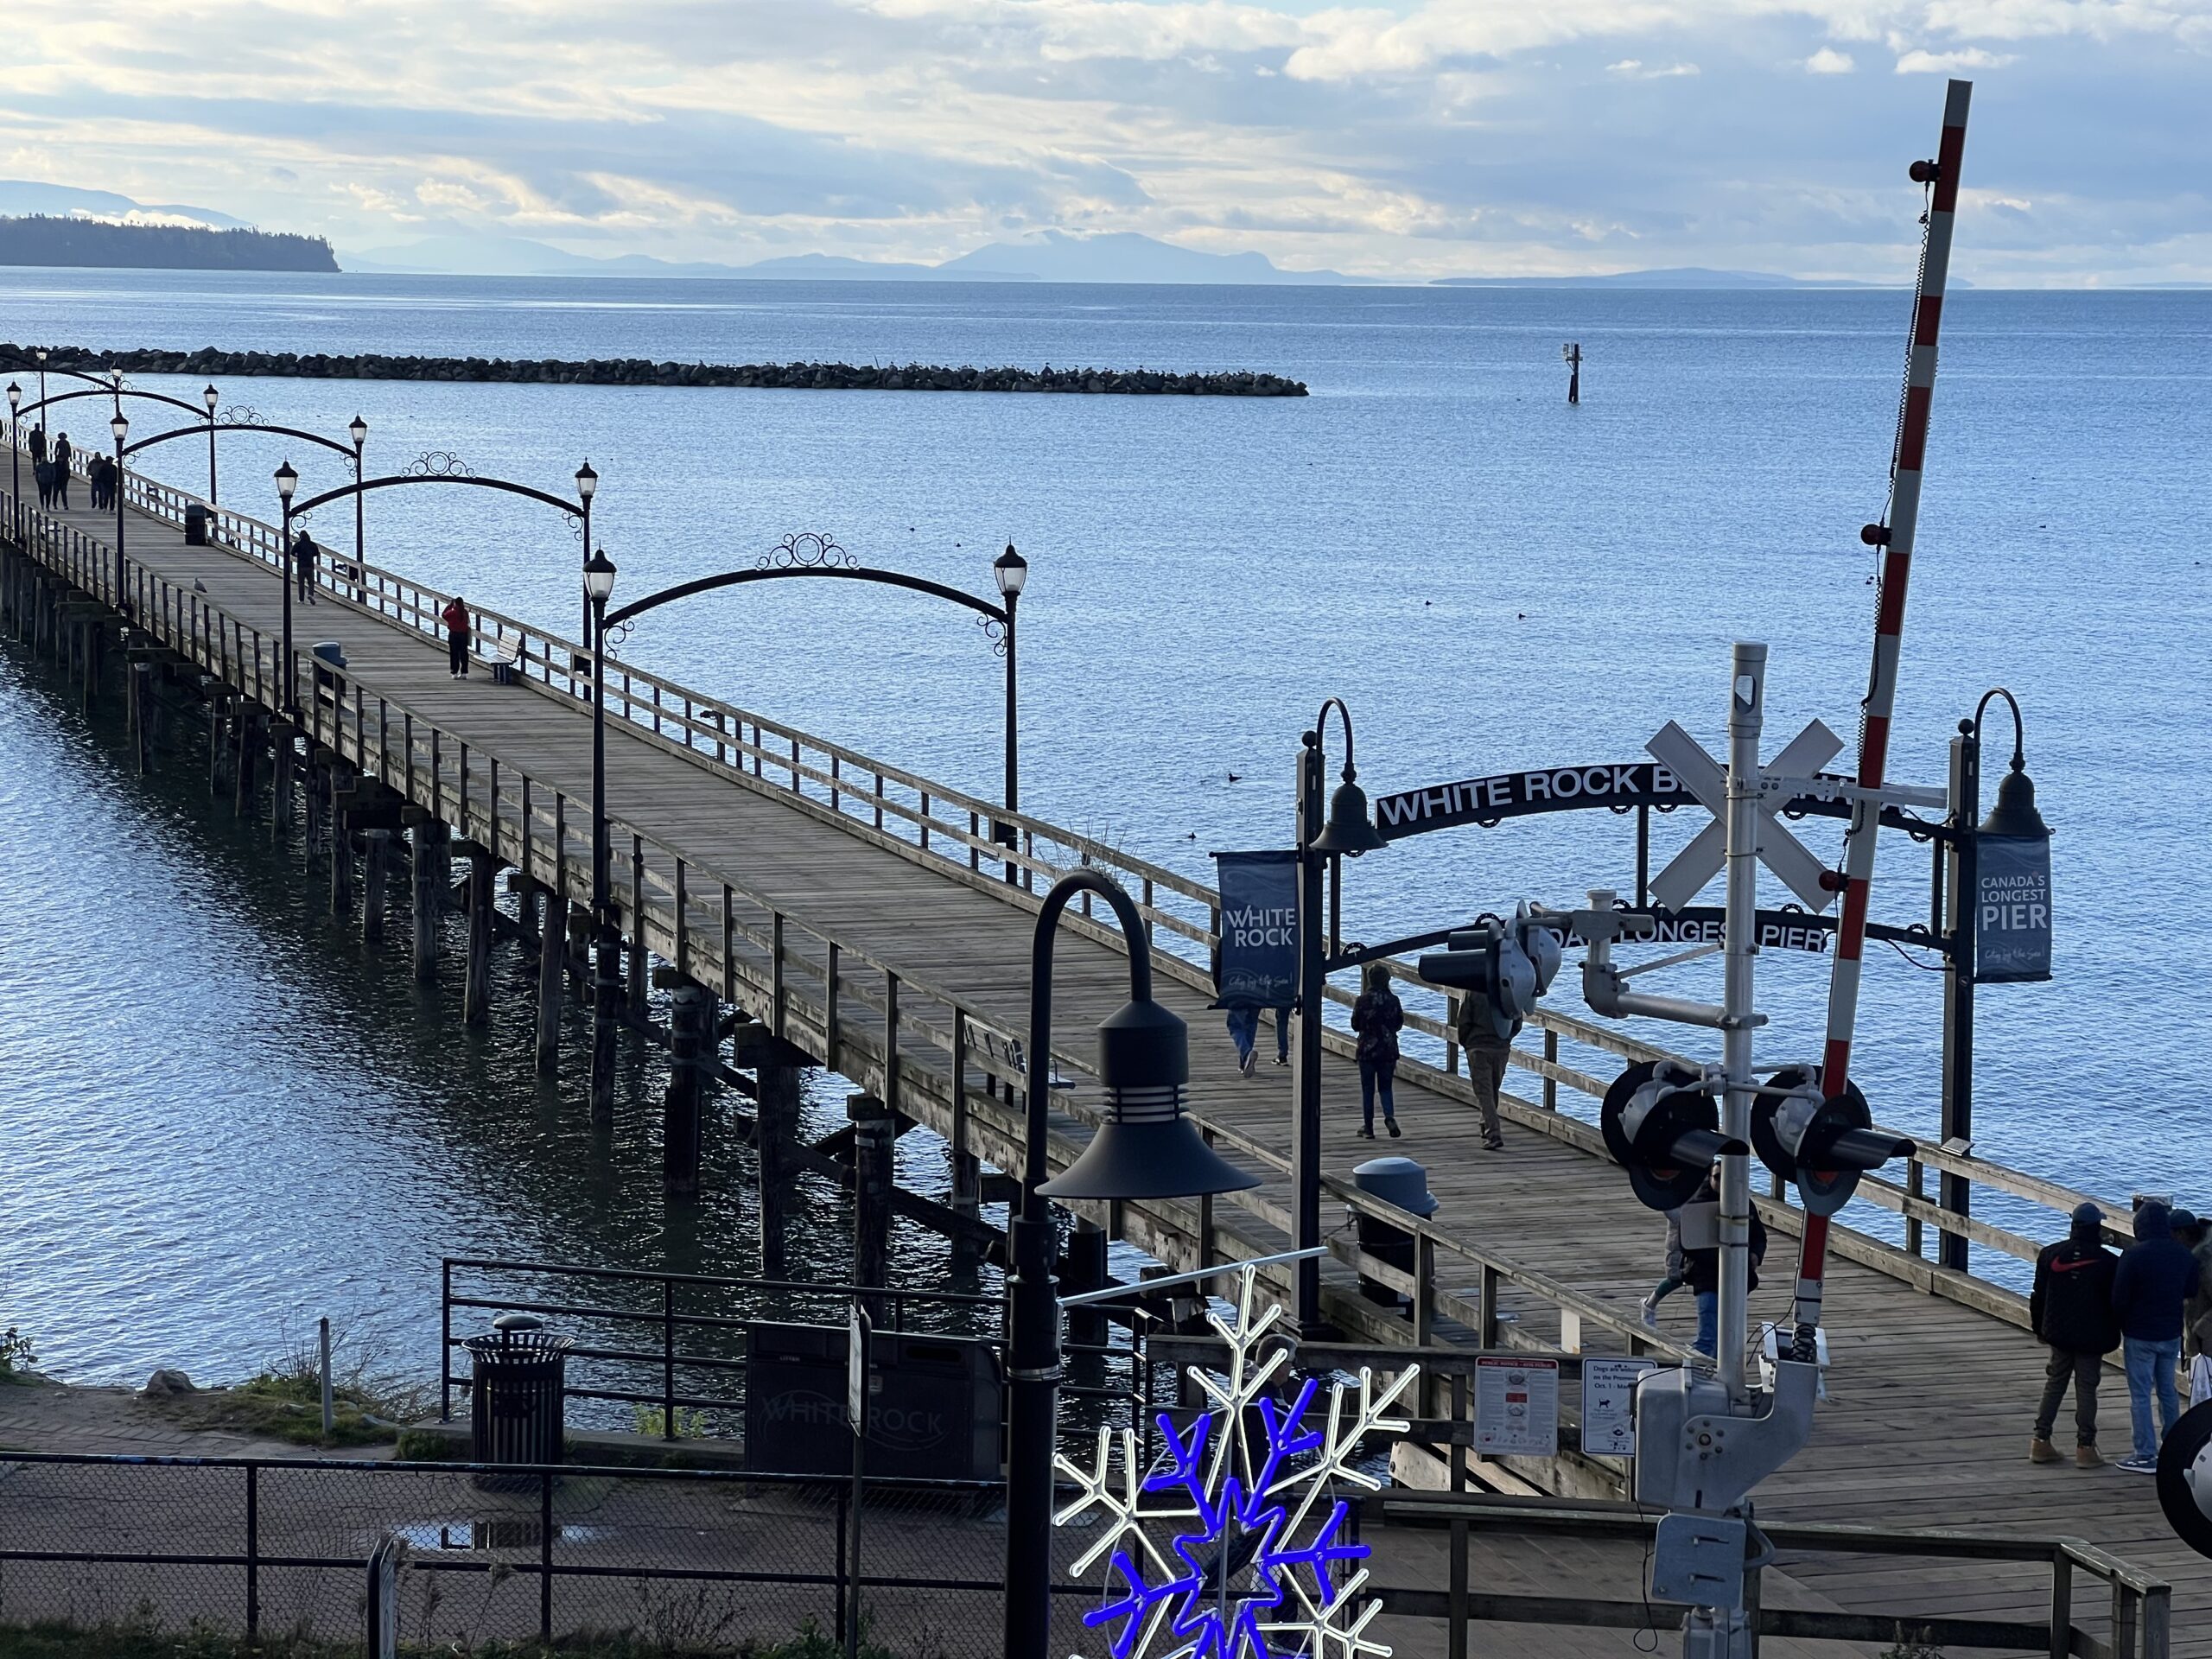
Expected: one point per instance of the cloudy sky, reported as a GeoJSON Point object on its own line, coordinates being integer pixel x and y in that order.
{"type": "Point", "coordinates": [1409, 137]}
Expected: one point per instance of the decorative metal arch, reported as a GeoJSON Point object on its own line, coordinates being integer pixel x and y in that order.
{"type": "Point", "coordinates": [206, 427]}
{"type": "Point", "coordinates": [992, 615]}
{"type": "Point", "coordinates": [572, 508]}
{"type": "Point", "coordinates": [105, 391]}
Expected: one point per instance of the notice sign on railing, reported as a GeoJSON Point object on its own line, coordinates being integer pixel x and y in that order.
{"type": "Point", "coordinates": [2011, 909]}
{"type": "Point", "coordinates": [1516, 1406]}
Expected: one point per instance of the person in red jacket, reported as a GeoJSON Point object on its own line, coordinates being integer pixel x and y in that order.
{"type": "Point", "coordinates": [2071, 1311]}
{"type": "Point", "coordinates": [455, 617]}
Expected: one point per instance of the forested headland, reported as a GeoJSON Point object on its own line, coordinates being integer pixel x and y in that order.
{"type": "Point", "coordinates": [42, 239]}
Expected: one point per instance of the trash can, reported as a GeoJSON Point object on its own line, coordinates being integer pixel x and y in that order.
{"type": "Point", "coordinates": [1404, 1183]}
{"type": "Point", "coordinates": [515, 1401]}
{"type": "Point", "coordinates": [196, 524]}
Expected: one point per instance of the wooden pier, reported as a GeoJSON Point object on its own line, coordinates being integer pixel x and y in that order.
{"type": "Point", "coordinates": [808, 905]}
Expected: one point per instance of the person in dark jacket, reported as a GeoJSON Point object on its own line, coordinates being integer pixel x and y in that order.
{"type": "Point", "coordinates": [1377, 1017]}
{"type": "Point", "coordinates": [1701, 1270]}
{"type": "Point", "coordinates": [303, 552]}
{"type": "Point", "coordinates": [2156, 1276]}
{"type": "Point", "coordinates": [42, 475]}
{"type": "Point", "coordinates": [61, 452]}
{"type": "Point", "coordinates": [455, 617]}
{"type": "Point", "coordinates": [38, 441]}
{"type": "Point", "coordinates": [2071, 1309]}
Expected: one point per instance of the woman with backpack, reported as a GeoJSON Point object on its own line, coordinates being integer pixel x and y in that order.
{"type": "Point", "coordinates": [1377, 1017]}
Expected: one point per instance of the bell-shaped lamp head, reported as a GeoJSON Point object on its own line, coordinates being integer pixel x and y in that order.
{"type": "Point", "coordinates": [587, 481]}
{"type": "Point", "coordinates": [358, 430]}
{"type": "Point", "coordinates": [1144, 1147]}
{"type": "Point", "coordinates": [120, 425]}
{"type": "Point", "coordinates": [598, 578]}
{"type": "Point", "coordinates": [15, 396]}
{"type": "Point", "coordinates": [210, 397]}
{"type": "Point", "coordinates": [2015, 813]}
{"type": "Point", "coordinates": [1011, 571]}
{"type": "Point", "coordinates": [1348, 830]}
{"type": "Point", "coordinates": [287, 481]}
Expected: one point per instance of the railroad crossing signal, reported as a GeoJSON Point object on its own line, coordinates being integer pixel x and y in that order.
{"type": "Point", "coordinates": [1801, 870]}
{"type": "Point", "coordinates": [1822, 1146]}
{"type": "Point", "coordinates": [1508, 964]}
{"type": "Point", "coordinates": [1662, 1125]}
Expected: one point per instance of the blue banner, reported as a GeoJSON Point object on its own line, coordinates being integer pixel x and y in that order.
{"type": "Point", "coordinates": [2011, 909]}
{"type": "Point", "coordinates": [1258, 965]}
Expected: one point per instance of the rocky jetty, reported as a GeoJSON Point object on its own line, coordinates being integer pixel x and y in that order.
{"type": "Point", "coordinates": [639, 372]}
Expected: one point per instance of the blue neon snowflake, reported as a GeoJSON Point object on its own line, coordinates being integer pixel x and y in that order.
{"type": "Point", "coordinates": [1229, 1584]}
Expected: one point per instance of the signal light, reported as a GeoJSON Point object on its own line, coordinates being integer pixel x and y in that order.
{"type": "Point", "coordinates": [1662, 1127]}
{"type": "Point", "coordinates": [1822, 1146]}
{"type": "Point", "coordinates": [1508, 964]}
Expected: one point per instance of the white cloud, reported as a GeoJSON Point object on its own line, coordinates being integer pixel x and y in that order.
{"type": "Point", "coordinates": [1830, 61]}
{"type": "Point", "coordinates": [1634, 69]}
{"type": "Point", "coordinates": [1949, 63]}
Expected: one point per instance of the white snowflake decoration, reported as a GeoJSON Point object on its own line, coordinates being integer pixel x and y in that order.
{"type": "Point", "coordinates": [1237, 1510]}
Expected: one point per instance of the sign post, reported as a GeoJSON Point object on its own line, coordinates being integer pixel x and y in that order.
{"type": "Point", "coordinates": [857, 1333]}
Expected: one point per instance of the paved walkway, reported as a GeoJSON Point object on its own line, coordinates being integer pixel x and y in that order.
{"type": "Point", "coordinates": [1931, 1401]}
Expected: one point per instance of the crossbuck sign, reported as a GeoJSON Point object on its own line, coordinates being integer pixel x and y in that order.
{"type": "Point", "coordinates": [1801, 871]}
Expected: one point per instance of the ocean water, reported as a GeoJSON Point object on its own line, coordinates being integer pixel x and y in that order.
{"type": "Point", "coordinates": [1490, 579]}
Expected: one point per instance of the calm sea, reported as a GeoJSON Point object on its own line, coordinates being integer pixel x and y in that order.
{"type": "Point", "coordinates": [222, 1118]}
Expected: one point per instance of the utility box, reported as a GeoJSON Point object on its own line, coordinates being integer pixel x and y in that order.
{"type": "Point", "coordinates": [936, 1405]}
{"type": "Point", "coordinates": [1404, 1183]}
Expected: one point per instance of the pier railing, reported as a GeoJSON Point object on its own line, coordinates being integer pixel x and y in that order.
{"type": "Point", "coordinates": [722, 933]}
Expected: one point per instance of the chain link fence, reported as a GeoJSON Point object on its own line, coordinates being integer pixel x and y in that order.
{"type": "Point", "coordinates": [677, 1558]}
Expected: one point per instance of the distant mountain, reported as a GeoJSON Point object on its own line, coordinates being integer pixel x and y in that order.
{"type": "Point", "coordinates": [1673, 276]}
{"type": "Point", "coordinates": [23, 197]}
{"type": "Point", "coordinates": [1122, 257]}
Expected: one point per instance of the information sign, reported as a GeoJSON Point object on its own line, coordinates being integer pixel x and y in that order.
{"type": "Point", "coordinates": [1609, 1405]}
{"type": "Point", "coordinates": [1516, 1406]}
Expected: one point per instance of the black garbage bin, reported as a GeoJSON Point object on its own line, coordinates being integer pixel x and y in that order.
{"type": "Point", "coordinates": [515, 1401]}
{"type": "Point", "coordinates": [196, 524]}
{"type": "Point", "coordinates": [1404, 1183]}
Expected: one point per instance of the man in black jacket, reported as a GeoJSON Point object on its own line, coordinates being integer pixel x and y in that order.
{"type": "Point", "coordinates": [2071, 1310]}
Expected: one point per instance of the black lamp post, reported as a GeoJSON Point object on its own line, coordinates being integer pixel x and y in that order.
{"type": "Point", "coordinates": [41, 379]}
{"type": "Point", "coordinates": [1347, 833]}
{"type": "Point", "coordinates": [588, 486]}
{"type": "Point", "coordinates": [358, 430]}
{"type": "Point", "coordinates": [15, 465]}
{"type": "Point", "coordinates": [598, 585]}
{"type": "Point", "coordinates": [210, 397]}
{"type": "Point", "coordinates": [1144, 1148]}
{"type": "Point", "coordinates": [1011, 571]}
{"type": "Point", "coordinates": [287, 482]}
{"type": "Point", "coordinates": [120, 425]}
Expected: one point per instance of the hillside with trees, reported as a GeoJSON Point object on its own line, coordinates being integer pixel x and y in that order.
{"type": "Point", "coordinates": [42, 239]}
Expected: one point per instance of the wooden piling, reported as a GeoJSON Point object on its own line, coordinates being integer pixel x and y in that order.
{"type": "Point", "coordinates": [376, 867]}
{"type": "Point", "coordinates": [139, 697]}
{"type": "Point", "coordinates": [776, 1102]}
{"type": "Point", "coordinates": [433, 871]}
{"type": "Point", "coordinates": [476, 983]}
{"type": "Point", "coordinates": [875, 1132]}
{"type": "Point", "coordinates": [246, 753]}
{"type": "Point", "coordinates": [690, 1050]}
{"type": "Point", "coordinates": [282, 759]}
{"type": "Point", "coordinates": [1084, 1269]}
{"type": "Point", "coordinates": [341, 850]}
{"type": "Point", "coordinates": [552, 987]}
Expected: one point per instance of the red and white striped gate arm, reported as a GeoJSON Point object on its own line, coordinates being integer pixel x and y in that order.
{"type": "Point", "coordinates": [1903, 519]}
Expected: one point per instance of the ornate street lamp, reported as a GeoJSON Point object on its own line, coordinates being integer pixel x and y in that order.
{"type": "Point", "coordinates": [120, 425]}
{"type": "Point", "coordinates": [598, 586]}
{"type": "Point", "coordinates": [288, 481]}
{"type": "Point", "coordinates": [588, 486]}
{"type": "Point", "coordinates": [1011, 571]}
{"type": "Point", "coordinates": [15, 464]}
{"type": "Point", "coordinates": [1146, 1147]}
{"type": "Point", "coordinates": [210, 397]}
{"type": "Point", "coordinates": [358, 430]}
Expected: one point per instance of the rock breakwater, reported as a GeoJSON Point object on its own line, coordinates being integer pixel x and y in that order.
{"type": "Point", "coordinates": [641, 371]}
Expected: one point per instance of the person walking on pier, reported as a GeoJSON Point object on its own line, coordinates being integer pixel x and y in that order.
{"type": "Point", "coordinates": [1487, 1049]}
{"type": "Point", "coordinates": [42, 475]}
{"type": "Point", "coordinates": [38, 441]}
{"type": "Point", "coordinates": [61, 452]}
{"type": "Point", "coordinates": [2070, 1310]}
{"type": "Point", "coordinates": [1701, 1263]}
{"type": "Point", "coordinates": [1377, 1017]}
{"type": "Point", "coordinates": [1672, 1280]}
{"type": "Point", "coordinates": [303, 552]}
{"type": "Point", "coordinates": [2155, 1277]}
{"type": "Point", "coordinates": [455, 617]}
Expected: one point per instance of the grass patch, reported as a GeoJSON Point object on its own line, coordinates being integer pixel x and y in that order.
{"type": "Point", "coordinates": [136, 1640]}
{"type": "Point", "coordinates": [283, 1401]}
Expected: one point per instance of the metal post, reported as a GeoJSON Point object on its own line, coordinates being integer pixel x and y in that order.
{"type": "Point", "coordinates": [121, 599]}
{"type": "Point", "coordinates": [322, 1338]}
{"type": "Point", "coordinates": [606, 983]}
{"type": "Point", "coordinates": [1746, 707]}
{"type": "Point", "coordinates": [1953, 1191]}
{"type": "Point", "coordinates": [211, 462]}
{"type": "Point", "coordinates": [544, 1557]}
{"type": "Point", "coordinates": [1306, 1052]}
{"type": "Point", "coordinates": [252, 1551]}
{"type": "Point", "coordinates": [289, 680]}
{"type": "Point", "coordinates": [1013, 768]}
{"type": "Point", "coordinates": [360, 544]}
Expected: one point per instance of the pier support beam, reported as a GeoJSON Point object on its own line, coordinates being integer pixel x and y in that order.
{"type": "Point", "coordinates": [376, 868]}
{"type": "Point", "coordinates": [552, 983]}
{"type": "Point", "coordinates": [139, 704]}
{"type": "Point", "coordinates": [1085, 1270]}
{"type": "Point", "coordinates": [433, 870]}
{"type": "Point", "coordinates": [476, 984]}
{"type": "Point", "coordinates": [246, 755]}
{"type": "Point", "coordinates": [342, 848]}
{"type": "Point", "coordinates": [776, 1102]}
{"type": "Point", "coordinates": [690, 1050]}
{"type": "Point", "coordinates": [875, 1133]}
{"type": "Point", "coordinates": [283, 762]}
{"type": "Point", "coordinates": [316, 790]}
{"type": "Point", "coordinates": [606, 1014]}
